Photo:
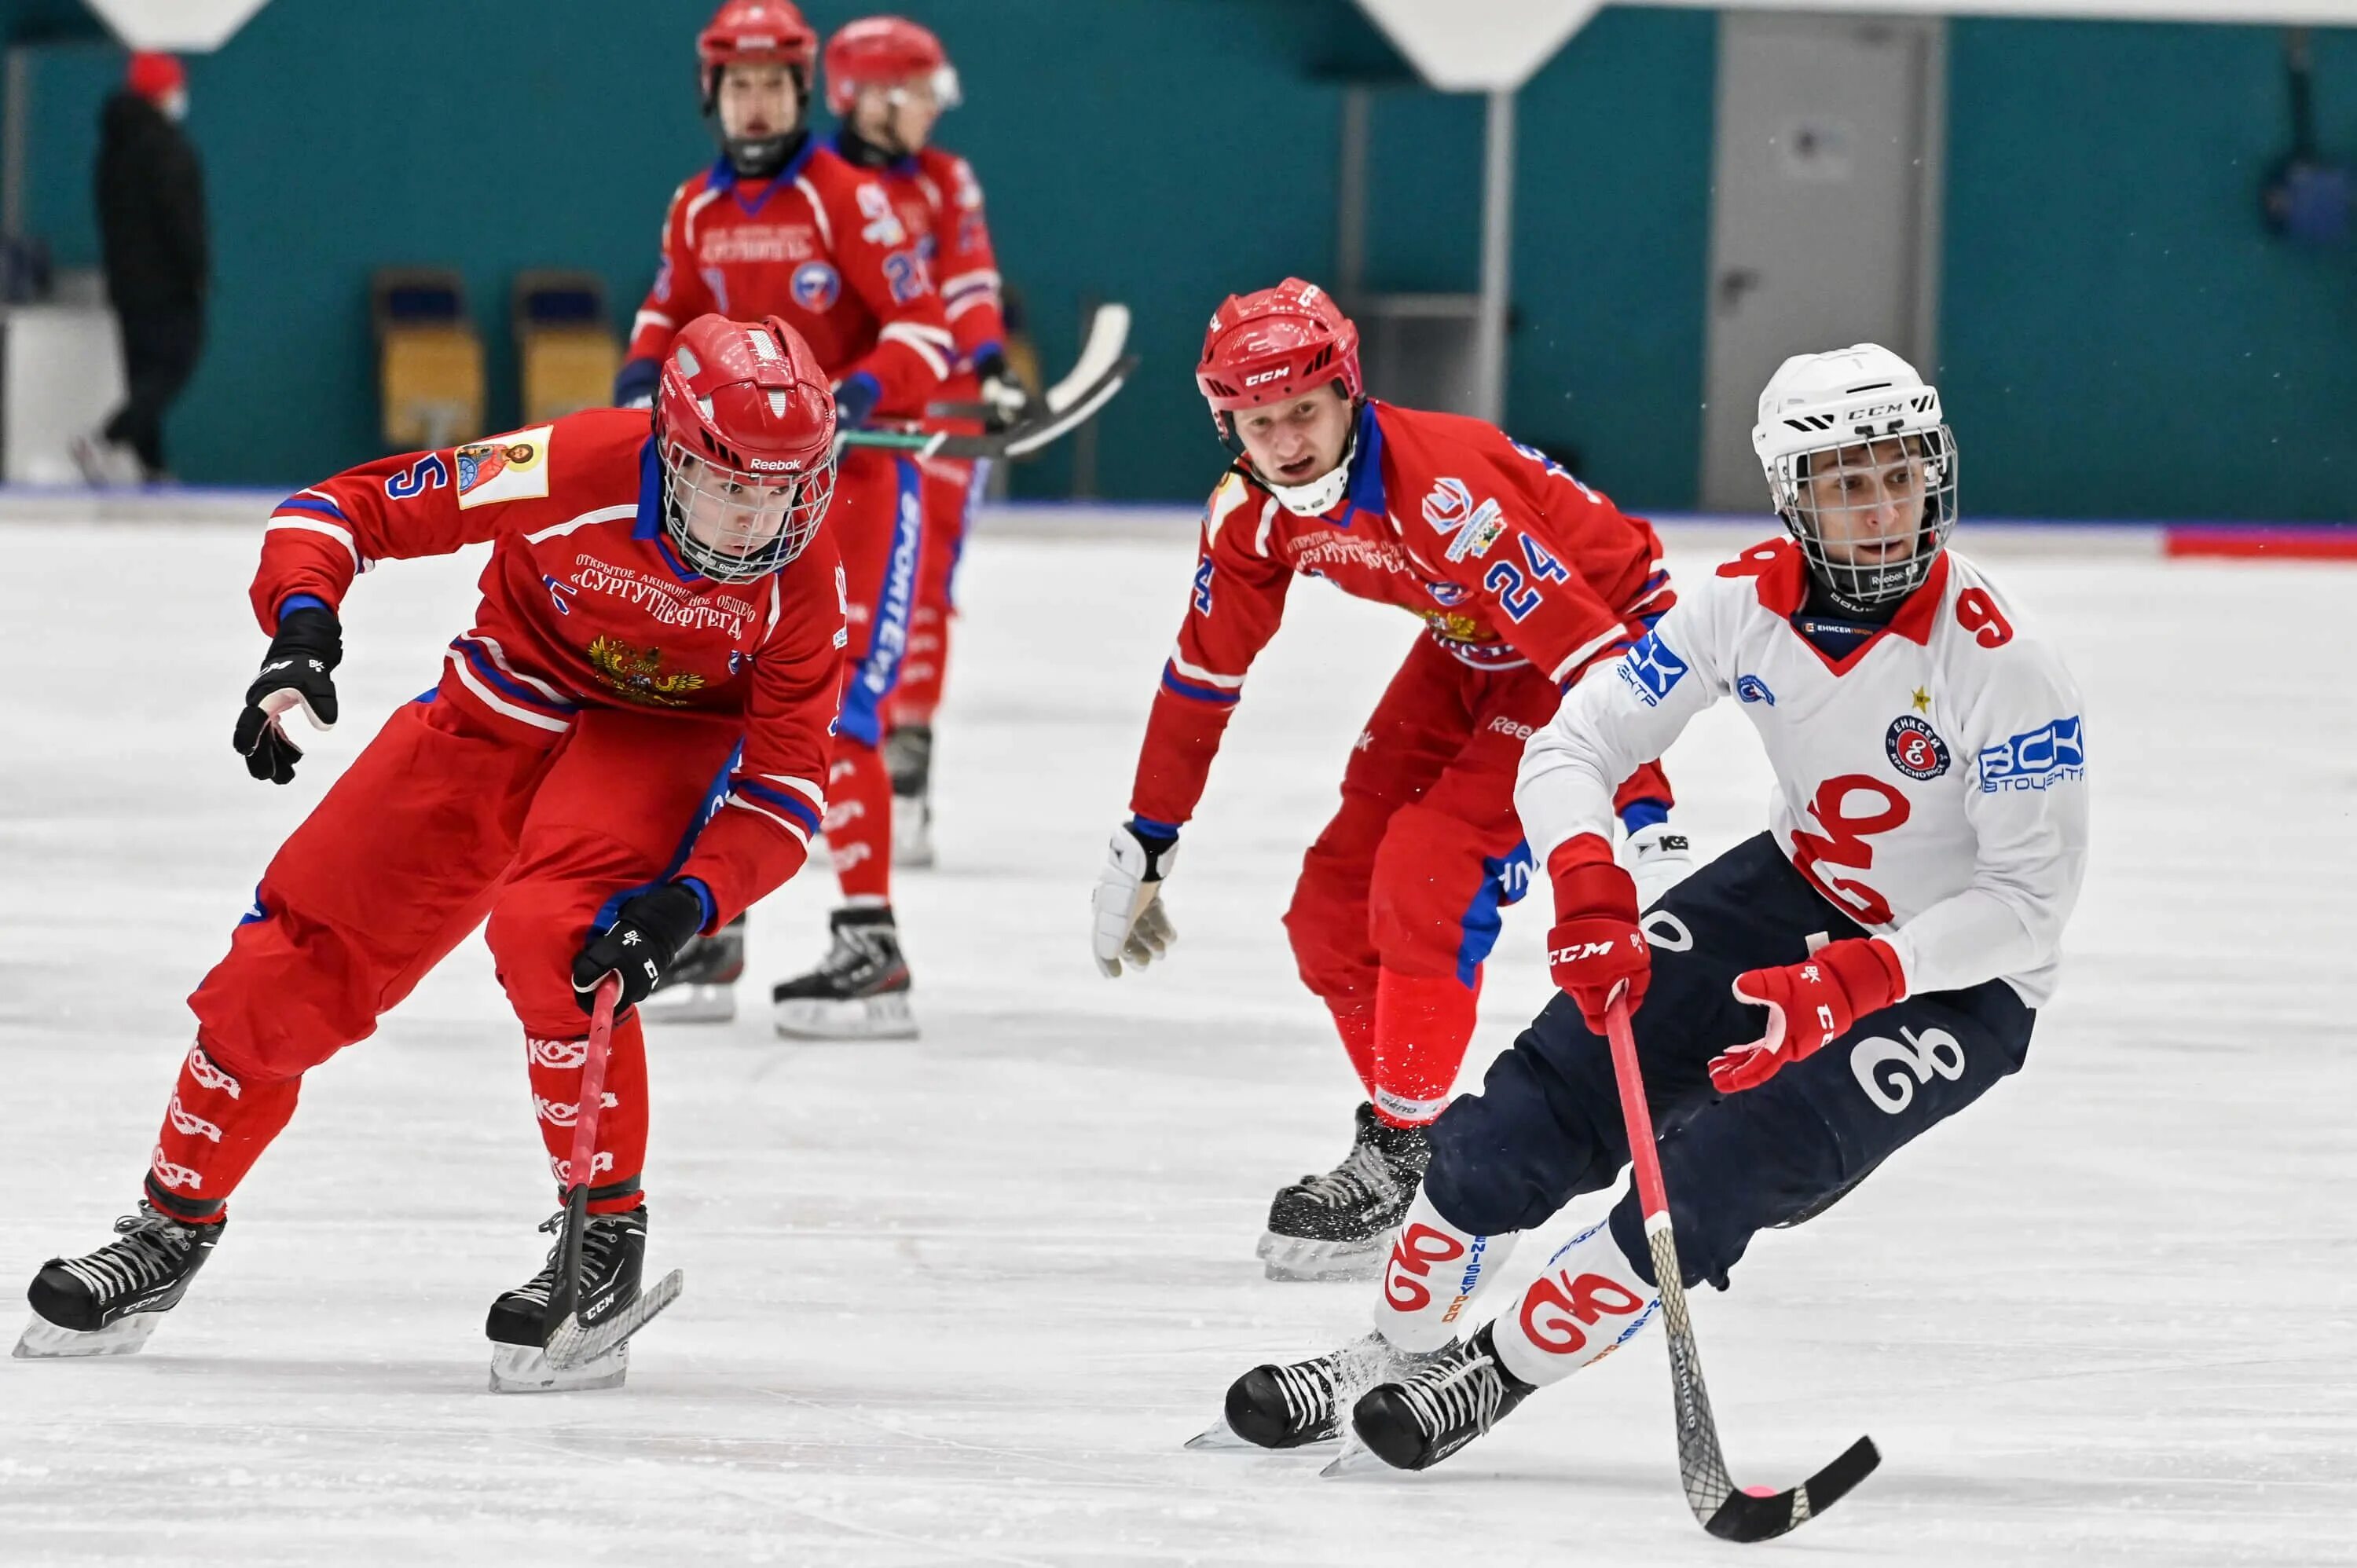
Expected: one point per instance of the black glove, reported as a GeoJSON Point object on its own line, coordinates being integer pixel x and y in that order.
{"type": "Point", "coordinates": [640, 946]}
{"type": "Point", "coordinates": [1001, 389]}
{"type": "Point", "coordinates": [854, 401]}
{"type": "Point", "coordinates": [308, 647]}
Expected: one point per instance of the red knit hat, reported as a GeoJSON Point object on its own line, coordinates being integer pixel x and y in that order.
{"type": "Point", "coordinates": [153, 76]}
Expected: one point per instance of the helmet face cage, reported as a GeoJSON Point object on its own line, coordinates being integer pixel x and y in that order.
{"type": "Point", "coordinates": [757, 522]}
{"type": "Point", "coordinates": [1828, 527]}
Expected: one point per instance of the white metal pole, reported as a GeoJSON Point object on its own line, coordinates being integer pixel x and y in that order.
{"type": "Point", "coordinates": [1497, 268]}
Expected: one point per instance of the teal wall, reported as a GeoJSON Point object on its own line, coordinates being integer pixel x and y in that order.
{"type": "Point", "coordinates": [2119, 337]}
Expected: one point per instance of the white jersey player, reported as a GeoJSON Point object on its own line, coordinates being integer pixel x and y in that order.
{"type": "Point", "coordinates": [1803, 1005]}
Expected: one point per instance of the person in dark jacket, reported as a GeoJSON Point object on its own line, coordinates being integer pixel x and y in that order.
{"type": "Point", "coordinates": [151, 219]}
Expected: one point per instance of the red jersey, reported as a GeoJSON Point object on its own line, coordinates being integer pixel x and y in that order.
{"type": "Point", "coordinates": [940, 201]}
{"type": "Point", "coordinates": [586, 604]}
{"type": "Point", "coordinates": [1510, 559]}
{"type": "Point", "coordinates": [820, 244]}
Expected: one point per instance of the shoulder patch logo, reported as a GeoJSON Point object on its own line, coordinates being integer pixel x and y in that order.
{"type": "Point", "coordinates": [1450, 512]}
{"type": "Point", "coordinates": [511, 467]}
{"type": "Point", "coordinates": [1650, 669]}
{"type": "Point", "coordinates": [1915, 748]}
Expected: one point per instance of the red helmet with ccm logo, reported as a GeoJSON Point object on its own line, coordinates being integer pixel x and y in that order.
{"type": "Point", "coordinates": [744, 426]}
{"type": "Point", "coordinates": [884, 51]}
{"type": "Point", "coordinates": [1276, 344]}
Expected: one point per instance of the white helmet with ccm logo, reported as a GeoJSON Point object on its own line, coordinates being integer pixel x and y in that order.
{"type": "Point", "coordinates": [1862, 412]}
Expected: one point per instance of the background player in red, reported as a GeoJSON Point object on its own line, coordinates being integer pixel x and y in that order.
{"type": "Point", "coordinates": [1526, 577]}
{"type": "Point", "coordinates": [781, 225]}
{"type": "Point", "coordinates": [623, 751]}
{"type": "Point", "coordinates": [888, 81]}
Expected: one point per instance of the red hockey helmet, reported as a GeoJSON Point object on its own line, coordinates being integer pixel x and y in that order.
{"type": "Point", "coordinates": [744, 426]}
{"type": "Point", "coordinates": [755, 31]}
{"type": "Point", "coordinates": [885, 51]}
{"type": "Point", "coordinates": [1276, 344]}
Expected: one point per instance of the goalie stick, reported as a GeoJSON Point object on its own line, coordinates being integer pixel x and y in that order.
{"type": "Point", "coordinates": [1726, 1510]}
{"type": "Point", "coordinates": [568, 1344]}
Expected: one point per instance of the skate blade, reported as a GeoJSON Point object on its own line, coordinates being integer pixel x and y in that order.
{"type": "Point", "coordinates": [1298, 1259]}
{"type": "Point", "coordinates": [1220, 1438]}
{"type": "Point", "coordinates": [526, 1369]}
{"type": "Point", "coordinates": [690, 1004]}
{"type": "Point", "coordinates": [1356, 1459]}
{"type": "Point", "coordinates": [885, 1018]}
{"type": "Point", "coordinates": [45, 1341]}
{"type": "Point", "coordinates": [572, 1347]}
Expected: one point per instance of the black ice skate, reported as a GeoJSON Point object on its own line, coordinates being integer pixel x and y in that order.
{"type": "Point", "coordinates": [1336, 1225]}
{"type": "Point", "coordinates": [613, 1251]}
{"type": "Point", "coordinates": [909, 758]}
{"type": "Point", "coordinates": [1296, 1405]}
{"type": "Point", "coordinates": [701, 987]}
{"type": "Point", "coordinates": [1440, 1407]}
{"type": "Point", "coordinates": [108, 1302]}
{"type": "Point", "coordinates": [858, 991]}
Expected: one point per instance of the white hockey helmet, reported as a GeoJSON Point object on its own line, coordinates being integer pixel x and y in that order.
{"type": "Point", "coordinates": [1861, 412]}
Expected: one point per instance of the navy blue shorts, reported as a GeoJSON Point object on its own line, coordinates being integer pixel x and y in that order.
{"type": "Point", "coordinates": [1546, 1125]}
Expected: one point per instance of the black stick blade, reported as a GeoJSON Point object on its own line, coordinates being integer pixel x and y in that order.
{"type": "Point", "coordinates": [1747, 1516]}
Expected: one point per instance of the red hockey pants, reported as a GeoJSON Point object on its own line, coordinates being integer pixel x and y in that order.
{"type": "Point", "coordinates": [448, 815]}
{"type": "Point", "coordinates": [1399, 900]}
{"type": "Point", "coordinates": [879, 525]}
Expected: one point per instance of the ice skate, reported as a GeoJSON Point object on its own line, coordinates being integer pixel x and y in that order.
{"type": "Point", "coordinates": [108, 1302]}
{"type": "Point", "coordinates": [1439, 1406]}
{"type": "Point", "coordinates": [701, 987]}
{"type": "Point", "coordinates": [909, 756]}
{"type": "Point", "coordinates": [1336, 1225]}
{"type": "Point", "coordinates": [613, 1251]}
{"type": "Point", "coordinates": [1301, 1404]}
{"type": "Point", "coordinates": [858, 991]}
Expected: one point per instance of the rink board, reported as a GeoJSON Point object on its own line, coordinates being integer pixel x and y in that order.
{"type": "Point", "coordinates": [960, 1300]}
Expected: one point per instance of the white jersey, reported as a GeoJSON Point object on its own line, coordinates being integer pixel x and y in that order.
{"type": "Point", "coordinates": [1931, 783]}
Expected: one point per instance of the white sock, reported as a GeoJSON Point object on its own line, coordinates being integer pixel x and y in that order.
{"type": "Point", "coordinates": [1432, 1277]}
{"type": "Point", "coordinates": [1586, 1303]}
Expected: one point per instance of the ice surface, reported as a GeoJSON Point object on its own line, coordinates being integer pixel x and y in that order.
{"type": "Point", "coordinates": [961, 1300]}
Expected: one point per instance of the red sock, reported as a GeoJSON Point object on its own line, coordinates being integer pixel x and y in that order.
{"type": "Point", "coordinates": [859, 820]}
{"type": "Point", "coordinates": [1423, 1024]}
{"type": "Point", "coordinates": [919, 693]}
{"type": "Point", "coordinates": [1357, 1027]}
{"type": "Point", "coordinates": [621, 1148]}
{"type": "Point", "coordinates": [214, 1129]}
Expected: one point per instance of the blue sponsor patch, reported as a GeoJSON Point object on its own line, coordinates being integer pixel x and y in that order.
{"type": "Point", "coordinates": [817, 286]}
{"type": "Point", "coordinates": [1203, 587]}
{"type": "Point", "coordinates": [1652, 670]}
{"type": "Point", "coordinates": [1447, 593]}
{"type": "Point", "coordinates": [1752, 689]}
{"type": "Point", "coordinates": [2036, 759]}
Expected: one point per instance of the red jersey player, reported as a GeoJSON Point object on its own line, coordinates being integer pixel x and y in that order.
{"type": "Point", "coordinates": [1526, 577]}
{"type": "Point", "coordinates": [782, 225]}
{"type": "Point", "coordinates": [624, 750]}
{"type": "Point", "coordinates": [888, 81]}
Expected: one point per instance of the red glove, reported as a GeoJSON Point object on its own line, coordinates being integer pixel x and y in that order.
{"type": "Point", "coordinates": [1597, 947]}
{"type": "Point", "coordinates": [1809, 1005]}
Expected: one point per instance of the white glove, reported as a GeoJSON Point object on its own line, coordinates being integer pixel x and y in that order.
{"type": "Point", "coordinates": [1656, 858]}
{"type": "Point", "coordinates": [1130, 922]}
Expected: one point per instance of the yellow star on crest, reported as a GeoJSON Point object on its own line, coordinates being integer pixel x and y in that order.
{"type": "Point", "coordinates": [1923, 700]}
